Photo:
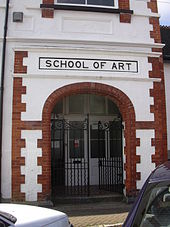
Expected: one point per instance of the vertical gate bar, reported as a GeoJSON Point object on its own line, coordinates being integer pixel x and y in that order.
{"type": "Point", "coordinates": [52, 172]}
{"type": "Point", "coordinates": [108, 159]}
{"type": "Point", "coordinates": [105, 164]}
{"type": "Point", "coordinates": [77, 165]}
{"type": "Point", "coordinates": [117, 170]}
{"type": "Point", "coordinates": [110, 170]}
{"type": "Point", "coordinates": [88, 155]}
{"type": "Point", "coordinates": [99, 159]}
{"type": "Point", "coordinates": [81, 169]}
{"type": "Point", "coordinates": [74, 163]}
{"type": "Point", "coordinates": [69, 162]}
{"type": "Point", "coordinates": [83, 184]}
{"type": "Point", "coordinates": [121, 157]}
{"type": "Point", "coordinates": [112, 182]}
{"type": "Point", "coordinates": [65, 150]}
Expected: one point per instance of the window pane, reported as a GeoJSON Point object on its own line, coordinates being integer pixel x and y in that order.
{"type": "Point", "coordinates": [76, 148]}
{"type": "Point", "coordinates": [76, 104]}
{"type": "Point", "coordinates": [158, 208]}
{"type": "Point", "coordinates": [97, 143]}
{"type": "Point", "coordinates": [97, 104]}
{"type": "Point", "coordinates": [76, 139]}
{"type": "Point", "coordinates": [71, 1]}
{"type": "Point", "coordinates": [101, 2]}
{"type": "Point", "coordinates": [58, 109]}
{"type": "Point", "coordinates": [112, 108]}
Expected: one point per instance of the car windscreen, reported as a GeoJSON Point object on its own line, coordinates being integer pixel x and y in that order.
{"type": "Point", "coordinates": [154, 209]}
{"type": "Point", "coordinates": [8, 216]}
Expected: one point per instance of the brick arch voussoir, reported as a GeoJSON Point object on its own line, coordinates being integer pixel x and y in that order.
{"type": "Point", "coordinates": [127, 112]}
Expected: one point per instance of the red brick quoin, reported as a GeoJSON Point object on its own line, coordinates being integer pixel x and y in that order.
{"type": "Point", "coordinates": [18, 125]}
{"type": "Point", "coordinates": [123, 4]}
{"type": "Point", "coordinates": [158, 92]}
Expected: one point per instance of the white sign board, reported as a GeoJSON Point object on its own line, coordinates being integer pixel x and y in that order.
{"type": "Point", "coordinates": [85, 64]}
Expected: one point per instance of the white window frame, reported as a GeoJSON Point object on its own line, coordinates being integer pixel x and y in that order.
{"type": "Point", "coordinates": [87, 5]}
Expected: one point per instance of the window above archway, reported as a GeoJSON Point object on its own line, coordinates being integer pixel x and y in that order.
{"type": "Point", "coordinates": [95, 3]}
{"type": "Point", "coordinates": [86, 104]}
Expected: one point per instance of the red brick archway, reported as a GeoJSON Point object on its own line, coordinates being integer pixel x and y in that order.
{"type": "Point", "coordinates": [128, 114]}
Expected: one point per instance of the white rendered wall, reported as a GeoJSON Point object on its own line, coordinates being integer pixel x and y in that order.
{"type": "Point", "coordinates": [167, 92]}
{"type": "Point", "coordinates": [145, 167]}
{"type": "Point", "coordinates": [73, 25]}
{"type": "Point", "coordinates": [35, 100]}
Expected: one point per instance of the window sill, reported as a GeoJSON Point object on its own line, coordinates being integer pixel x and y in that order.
{"type": "Point", "coordinates": [85, 8]}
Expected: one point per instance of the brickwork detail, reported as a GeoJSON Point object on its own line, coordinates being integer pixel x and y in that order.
{"type": "Point", "coordinates": [48, 13]}
{"type": "Point", "coordinates": [144, 162]}
{"type": "Point", "coordinates": [31, 170]}
{"type": "Point", "coordinates": [17, 142]}
{"type": "Point", "coordinates": [138, 174]}
{"type": "Point", "coordinates": [158, 92]}
{"type": "Point", "coordinates": [152, 4]}
{"type": "Point", "coordinates": [124, 17]}
{"type": "Point", "coordinates": [18, 65]}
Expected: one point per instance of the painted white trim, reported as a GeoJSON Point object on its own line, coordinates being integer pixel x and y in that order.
{"type": "Point", "coordinates": [84, 42]}
{"type": "Point", "coordinates": [87, 50]}
{"type": "Point", "coordinates": [147, 15]}
{"type": "Point", "coordinates": [83, 76]}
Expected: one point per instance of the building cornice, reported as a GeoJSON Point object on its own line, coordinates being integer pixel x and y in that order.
{"type": "Point", "coordinates": [89, 76]}
{"type": "Point", "coordinates": [82, 42]}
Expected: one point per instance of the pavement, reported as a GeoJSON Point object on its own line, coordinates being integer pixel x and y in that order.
{"type": "Point", "coordinates": [96, 214]}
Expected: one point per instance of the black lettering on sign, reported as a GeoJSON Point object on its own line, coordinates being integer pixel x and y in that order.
{"type": "Point", "coordinates": [102, 64]}
{"type": "Point", "coordinates": [63, 64]}
{"type": "Point", "coordinates": [128, 65]}
{"type": "Point", "coordinates": [85, 67]}
{"type": "Point", "coordinates": [56, 63]}
{"type": "Point", "coordinates": [70, 64]}
{"type": "Point", "coordinates": [78, 64]}
{"type": "Point", "coordinates": [121, 66]}
{"type": "Point", "coordinates": [96, 65]}
{"type": "Point", "coordinates": [114, 66]}
{"type": "Point", "coordinates": [48, 63]}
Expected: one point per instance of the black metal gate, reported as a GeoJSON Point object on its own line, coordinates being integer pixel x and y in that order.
{"type": "Point", "coordinates": [70, 142]}
{"type": "Point", "coordinates": [110, 160]}
{"type": "Point", "coordinates": [70, 157]}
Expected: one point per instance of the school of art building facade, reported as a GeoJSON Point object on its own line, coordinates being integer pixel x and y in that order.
{"type": "Point", "coordinates": [83, 98]}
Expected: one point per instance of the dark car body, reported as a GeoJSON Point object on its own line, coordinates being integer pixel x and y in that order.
{"type": "Point", "coordinates": [152, 206]}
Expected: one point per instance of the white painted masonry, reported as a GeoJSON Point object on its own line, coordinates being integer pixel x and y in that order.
{"type": "Point", "coordinates": [31, 169]}
{"type": "Point", "coordinates": [35, 100]}
{"type": "Point", "coordinates": [145, 167]}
